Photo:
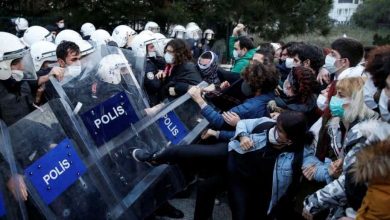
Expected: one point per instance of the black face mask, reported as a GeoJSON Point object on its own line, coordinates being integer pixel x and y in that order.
{"type": "Point", "coordinates": [246, 89]}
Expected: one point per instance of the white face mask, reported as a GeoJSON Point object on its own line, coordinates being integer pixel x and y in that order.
{"type": "Point", "coordinates": [61, 25]}
{"type": "Point", "coordinates": [152, 54]}
{"type": "Point", "coordinates": [17, 75]}
{"type": "Point", "coordinates": [321, 102]}
{"type": "Point", "coordinates": [273, 136]}
{"type": "Point", "coordinates": [330, 64]}
{"type": "Point", "coordinates": [208, 37]}
{"type": "Point", "coordinates": [290, 62]}
{"type": "Point", "coordinates": [383, 106]}
{"type": "Point", "coordinates": [169, 58]}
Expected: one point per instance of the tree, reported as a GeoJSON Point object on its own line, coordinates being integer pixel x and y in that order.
{"type": "Point", "coordinates": [271, 19]}
{"type": "Point", "coordinates": [373, 14]}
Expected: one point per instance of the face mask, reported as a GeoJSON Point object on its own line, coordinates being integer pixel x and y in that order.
{"type": "Point", "coordinates": [321, 102]}
{"type": "Point", "coordinates": [169, 58]}
{"type": "Point", "coordinates": [336, 106]}
{"type": "Point", "coordinates": [208, 37]}
{"type": "Point", "coordinates": [61, 25]}
{"type": "Point", "coordinates": [246, 89]}
{"type": "Point", "coordinates": [330, 64]}
{"type": "Point", "coordinates": [152, 54]}
{"type": "Point", "coordinates": [289, 62]}
{"type": "Point", "coordinates": [273, 136]}
{"type": "Point", "coordinates": [74, 69]}
{"type": "Point", "coordinates": [17, 75]}
{"type": "Point", "coordinates": [384, 106]}
{"type": "Point", "coordinates": [235, 54]}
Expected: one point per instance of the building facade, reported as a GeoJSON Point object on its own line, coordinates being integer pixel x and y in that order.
{"type": "Point", "coordinates": [343, 10]}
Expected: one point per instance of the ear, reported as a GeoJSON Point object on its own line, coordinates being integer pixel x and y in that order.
{"type": "Point", "coordinates": [346, 62]}
{"type": "Point", "coordinates": [61, 62]}
{"type": "Point", "coordinates": [306, 63]}
{"type": "Point", "coordinates": [244, 50]}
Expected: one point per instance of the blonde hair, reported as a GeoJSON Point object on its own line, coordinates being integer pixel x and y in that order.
{"type": "Point", "coordinates": [353, 89]}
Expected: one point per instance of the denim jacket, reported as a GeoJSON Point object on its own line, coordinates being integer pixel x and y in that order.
{"type": "Point", "coordinates": [255, 107]}
{"type": "Point", "coordinates": [282, 175]}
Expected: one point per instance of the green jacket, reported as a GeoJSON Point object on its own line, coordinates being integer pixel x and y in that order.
{"type": "Point", "coordinates": [242, 62]}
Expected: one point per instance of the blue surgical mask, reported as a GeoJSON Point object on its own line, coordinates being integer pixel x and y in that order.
{"type": "Point", "coordinates": [336, 106]}
{"type": "Point", "coordinates": [169, 58]}
{"type": "Point", "coordinates": [330, 64]}
{"type": "Point", "coordinates": [236, 55]}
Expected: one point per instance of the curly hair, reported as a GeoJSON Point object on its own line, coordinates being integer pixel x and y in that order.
{"type": "Point", "coordinates": [261, 77]}
{"type": "Point", "coordinates": [181, 51]}
{"type": "Point", "coordinates": [378, 65]}
{"type": "Point", "coordinates": [304, 83]}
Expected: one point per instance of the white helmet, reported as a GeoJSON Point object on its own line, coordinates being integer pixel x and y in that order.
{"type": "Point", "coordinates": [21, 24]}
{"type": "Point", "coordinates": [42, 51]}
{"type": "Point", "coordinates": [122, 34]}
{"type": "Point", "coordinates": [191, 24]}
{"type": "Point", "coordinates": [100, 37]}
{"type": "Point", "coordinates": [178, 32]}
{"type": "Point", "coordinates": [87, 29]}
{"type": "Point", "coordinates": [147, 32]}
{"type": "Point", "coordinates": [110, 68]}
{"type": "Point", "coordinates": [140, 42]}
{"type": "Point", "coordinates": [36, 33]}
{"type": "Point", "coordinates": [85, 47]}
{"type": "Point", "coordinates": [11, 48]}
{"type": "Point", "coordinates": [161, 43]}
{"type": "Point", "coordinates": [193, 32]}
{"type": "Point", "coordinates": [152, 26]}
{"type": "Point", "coordinates": [208, 34]}
{"type": "Point", "coordinates": [67, 35]}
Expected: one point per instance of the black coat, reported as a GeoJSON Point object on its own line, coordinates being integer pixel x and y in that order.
{"type": "Point", "coordinates": [181, 78]}
{"type": "Point", "coordinates": [15, 100]}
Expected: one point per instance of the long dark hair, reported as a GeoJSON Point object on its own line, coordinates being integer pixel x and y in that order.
{"type": "Point", "coordinates": [296, 127]}
{"type": "Point", "coordinates": [181, 53]}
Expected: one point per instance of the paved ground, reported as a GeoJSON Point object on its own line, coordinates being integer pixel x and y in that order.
{"type": "Point", "coordinates": [221, 211]}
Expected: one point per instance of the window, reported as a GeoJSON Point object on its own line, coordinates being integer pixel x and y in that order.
{"type": "Point", "coordinates": [346, 1]}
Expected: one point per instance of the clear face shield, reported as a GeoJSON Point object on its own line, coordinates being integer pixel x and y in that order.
{"type": "Point", "coordinates": [180, 35]}
{"type": "Point", "coordinates": [154, 48]}
{"type": "Point", "coordinates": [155, 29]}
{"type": "Point", "coordinates": [209, 36]}
{"type": "Point", "coordinates": [22, 66]}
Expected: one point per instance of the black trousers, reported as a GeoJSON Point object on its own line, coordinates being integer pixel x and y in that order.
{"type": "Point", "coordinates": [209, 161]}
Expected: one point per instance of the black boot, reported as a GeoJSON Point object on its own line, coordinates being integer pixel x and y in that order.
{"type": "Point", "coordinates": [168, 210]}
{"type": "Point", "coordinates": [142, 155]}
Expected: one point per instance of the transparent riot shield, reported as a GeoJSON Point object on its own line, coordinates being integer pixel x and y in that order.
{"type": "Point", "coordinates": [107, 103]}
{"type": "Point", "coordinates": [12, 190]}
{"type": "Point", "coordinates": [64, 178]}
{"type": "Point", "coordinates": [137, 63]}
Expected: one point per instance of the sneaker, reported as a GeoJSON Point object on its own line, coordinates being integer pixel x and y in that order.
{"type": "Point", "coordinates": [141, 155]}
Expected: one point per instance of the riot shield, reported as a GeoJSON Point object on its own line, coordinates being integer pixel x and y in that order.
{"type": "Point", "coordinates": [137, 63]}
{"type": "Point", "coordinates": [63, 176]}
{"type": "Point", "coordinates": [11, 183]}
{"type": "Point", "coordinates": [107, 108]}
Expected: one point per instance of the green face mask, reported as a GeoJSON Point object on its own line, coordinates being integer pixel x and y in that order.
{"type": "Point", "coordinates": [336, 106]}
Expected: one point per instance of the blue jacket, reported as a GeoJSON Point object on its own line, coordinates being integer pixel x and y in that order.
{"type": "Point", "coordinates": [283, 172]}
{"type": "Point", "coordinates": [255, 107]}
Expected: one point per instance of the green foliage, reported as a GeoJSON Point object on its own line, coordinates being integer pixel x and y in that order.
{"type": "Point", "coordinates": [373, 14]}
